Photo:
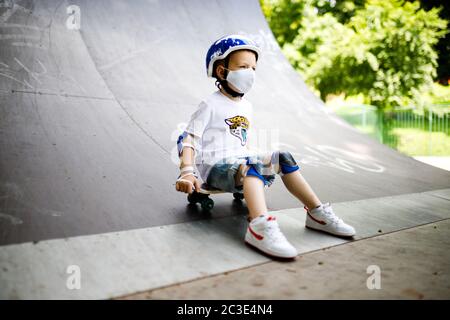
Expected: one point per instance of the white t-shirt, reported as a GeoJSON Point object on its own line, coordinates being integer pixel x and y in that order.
{"type": "Point", "coordinates": [222, 127]}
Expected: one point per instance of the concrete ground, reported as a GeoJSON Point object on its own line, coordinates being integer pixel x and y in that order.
{"type": "Point", "coordinates": [439, 162]}
{"type": "Point", "coordinates": [414, 264]}
{"type": "Point", "coordinates": [207, 258]}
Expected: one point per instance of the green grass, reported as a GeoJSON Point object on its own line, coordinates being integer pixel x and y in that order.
{"type": "Point", "coordinates": [416, 142]}
{"type": "Point", "coordinates": [401, 136]}
{"type": "Point", "coordinates": [409, 137]}
{"type": "Point", "coordinates": [412, 141]}
{"type": "Point", "coordinates": [369, 130]}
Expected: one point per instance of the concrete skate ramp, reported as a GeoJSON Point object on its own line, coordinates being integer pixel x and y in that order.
{"type": "Point", "coordinates": [89, 118]}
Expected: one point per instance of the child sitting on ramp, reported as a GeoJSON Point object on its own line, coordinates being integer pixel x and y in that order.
{"type": "Point", "coordinates": [216, 138]}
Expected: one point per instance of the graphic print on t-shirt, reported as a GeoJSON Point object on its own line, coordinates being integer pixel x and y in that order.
{"type": "Point", "coordinates": [238, 127]}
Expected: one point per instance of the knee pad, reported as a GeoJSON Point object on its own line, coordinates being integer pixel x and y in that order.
{"type": "Point", "coordinates": [286, 161]}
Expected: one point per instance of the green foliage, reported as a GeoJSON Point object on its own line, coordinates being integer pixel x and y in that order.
{"type": "Point", "coordinates": [383, 49]}
{"type": "Point", "coordinates": [284, 18]}
{"type": "Point", "coordinates": [438, 95]}
{"type": "Point", "coordinates": [342, 10]}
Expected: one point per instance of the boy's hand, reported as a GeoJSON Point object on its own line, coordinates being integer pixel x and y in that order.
{"type": "Point", "coordinates": [185, 185]}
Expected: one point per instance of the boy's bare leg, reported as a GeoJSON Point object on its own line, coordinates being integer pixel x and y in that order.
{"type": "Point", "coordinates": [294, 182]}
{"type": "Point", "coordinates": [254, 196]}
{"type": "Point", "coordinates": [298, 186]}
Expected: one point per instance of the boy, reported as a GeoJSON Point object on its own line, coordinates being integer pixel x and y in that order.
{"type": "Point", "coordinates": [217, 138]}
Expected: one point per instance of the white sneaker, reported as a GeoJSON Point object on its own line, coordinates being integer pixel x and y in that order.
{"type": "Point", "coordinates": [264, 234]}
{"type": "Point", "coordinates": [324, 219]}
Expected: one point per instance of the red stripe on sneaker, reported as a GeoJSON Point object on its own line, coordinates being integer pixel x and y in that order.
{"type": "Point", "coordinates": [316, 220]}
{"type": "Point", "coordinates": [257, 236]}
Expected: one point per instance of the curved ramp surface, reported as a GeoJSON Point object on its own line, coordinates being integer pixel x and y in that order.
{"type": "Point", "coordinates": [89, 117]}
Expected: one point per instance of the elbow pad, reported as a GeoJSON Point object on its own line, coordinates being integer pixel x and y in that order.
{"type": "Point", "coordinates": [181, 144]}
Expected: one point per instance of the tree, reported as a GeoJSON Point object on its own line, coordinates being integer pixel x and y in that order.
{"type": "Point", "coordinates": [284, 18]}
{"type": "Point", "coordinates": [381, 48]}
{"type": "Point", "coordinates": [443, 46]}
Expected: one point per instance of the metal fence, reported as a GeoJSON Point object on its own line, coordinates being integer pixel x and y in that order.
{"type": "Point", "coordinates": [382, 126]}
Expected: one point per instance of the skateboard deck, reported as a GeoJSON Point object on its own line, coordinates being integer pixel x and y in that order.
{"type": "Point", "coordinates": [207, 189]}
{"type": "Point", "coordinates": [202, 196]}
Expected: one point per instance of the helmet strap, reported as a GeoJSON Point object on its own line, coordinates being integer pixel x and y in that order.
{"type": "Point", "coordinates": [223, 84]}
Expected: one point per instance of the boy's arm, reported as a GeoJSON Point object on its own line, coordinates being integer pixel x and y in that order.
{"type": "Point", "coordinates": [187, 178]}
{"type": "Point", "coordinates": [187, 144]}
{"type": "Point", "coordinates": [187, 152]}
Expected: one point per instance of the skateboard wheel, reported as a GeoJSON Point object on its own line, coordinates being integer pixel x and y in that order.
{"type": "Point", "coordinates": [207, 204]}
{"type": "Point", "coordinates": [238, 195]}
{"type": "Point", "coordinates": [192, 198]}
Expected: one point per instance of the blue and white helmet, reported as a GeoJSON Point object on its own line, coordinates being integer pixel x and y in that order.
{"type": "Point", "coordinates": [221, 48]}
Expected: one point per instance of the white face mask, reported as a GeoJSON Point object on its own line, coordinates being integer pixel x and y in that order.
{"type": "Point", "coordinates": [241, 79]}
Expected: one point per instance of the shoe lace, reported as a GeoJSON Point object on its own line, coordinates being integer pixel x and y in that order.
{"type": "Point", "coordinates": [330, 214]}
{"type": "Point", "coordinates": [273, 230]}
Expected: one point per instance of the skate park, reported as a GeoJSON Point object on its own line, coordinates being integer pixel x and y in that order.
{"type": "Point", "coordinates": [93, 97]}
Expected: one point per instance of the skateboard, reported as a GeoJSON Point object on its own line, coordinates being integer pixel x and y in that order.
{"type": "Point", "coordinates": [202, 196]}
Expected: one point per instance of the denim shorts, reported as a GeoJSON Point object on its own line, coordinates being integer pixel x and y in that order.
{"type": "Point", "coordinates": [223, 173]}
